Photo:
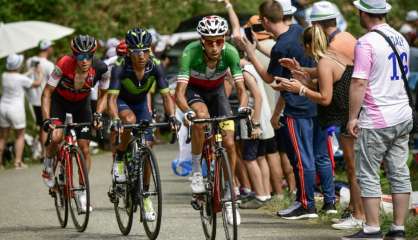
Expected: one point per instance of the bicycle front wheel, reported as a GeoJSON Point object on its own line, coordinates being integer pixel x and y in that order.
{"type": "Point", "coordinates": [228, 198]}
{"type": "Point", "coordinates": [79, 190]}
{"type": "Point", "coordinates": [150, 193]}
{"type": "Point", "coordinates": [124, 205]}
{"type": "Point", "coordinates": [207, 210]}
{"type": "Point", "coordinates": [59, 193]}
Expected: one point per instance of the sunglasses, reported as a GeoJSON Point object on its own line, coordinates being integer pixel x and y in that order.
{"type": "Point", "coordinates": [83, 56]}
{"type": "Point", "coordinates": [139, 51]}
{"type": "Point", "coordinates": [218, 42]}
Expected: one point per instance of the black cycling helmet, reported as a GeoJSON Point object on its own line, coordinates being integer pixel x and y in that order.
{"type": "Point", "coordinates": [138, 38]}
{"type": "Point", "coordinates": [83, 44]}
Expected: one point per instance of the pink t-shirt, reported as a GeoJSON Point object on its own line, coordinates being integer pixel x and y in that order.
{"type": "Point", "coordinates": [386, 102]}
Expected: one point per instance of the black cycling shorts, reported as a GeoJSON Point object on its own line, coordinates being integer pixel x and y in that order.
{"type": "Point", "coordinates": [38, 115]}
{"type": "Point", "coordinates": [81, 112]}
{"type": "Point", "coordinates": [216, 100]}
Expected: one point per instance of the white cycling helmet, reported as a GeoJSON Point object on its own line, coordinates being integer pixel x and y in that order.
{"type": "Point", "coordinates": [212, 26]}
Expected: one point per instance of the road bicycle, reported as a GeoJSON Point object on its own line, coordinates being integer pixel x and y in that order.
{"type": "Point", "coordinates": [219, 195]}
{"type": "Point", "coordinates": [140, 165]}
{"type": "Point", "coordinates": [71, 178]}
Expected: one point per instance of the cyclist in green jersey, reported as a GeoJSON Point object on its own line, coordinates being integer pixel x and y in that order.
{"type": "Point", "coordinates": [200, 91]}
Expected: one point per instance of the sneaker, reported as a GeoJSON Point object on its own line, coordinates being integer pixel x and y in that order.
{"type": "Point", "coordinates": [329, 208]}
{"type": "Point", "coordinates": [362, 235]}
{"type": "Point", "coordinates": [230, 216]}
{"type": "Point", "coordinates": [149, 210]}
{"type": "Point", "coordinates": [347, 213]}
{"type": "Point", "coordinates": [82, 197]}
{"type": "Point", "coordinates": [253, 204]}
{"type": "Point", "coordinates": [395, 235]}
{"type": "Point", "coordinates": [245, 197]}
{"type": "Point", "coordinates": [197, 183]}
{"type": "Point", "coordinates": [119, 172]}
{"type": "Point", "coordinates": [294, 206]}
{"type": "Point", "coordinates": [348, 223]}
{"type": "Point", "coordinates": [301, 213]}
{"type": "Point", "coordinates": [48, 177]}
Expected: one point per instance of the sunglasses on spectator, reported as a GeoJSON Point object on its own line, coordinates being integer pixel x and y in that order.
{"type": "Point", "coordinates": [83, 56]}
{"type": "Point", "coordinates": [139, 51]}
{"type": "Point", "coordinates": [218, 42]}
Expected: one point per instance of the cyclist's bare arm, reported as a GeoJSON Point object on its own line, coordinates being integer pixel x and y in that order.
{"type": "Point", "coordinates": [181, 96]}
{"type": "Point", "coordinates": [168, 104]}
{"type": "Point", "coordinates": [113, 107]}
{"type": "Point", "coordinates": [242, 94]}
{"type": "Point", "coordinates": [102, 101]}
{"type": "Point", "coordinates": [252, 87]}
{"type": "Point", "coordinates": [46, 101]}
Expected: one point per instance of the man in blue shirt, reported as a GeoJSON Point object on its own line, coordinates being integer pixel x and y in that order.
{"type": "Point", "coordinates": [308, 140]}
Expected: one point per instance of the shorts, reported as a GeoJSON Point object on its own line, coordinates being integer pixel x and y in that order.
{"type": "Point", "coordinates": [12, 117]}
{"type": "Point", "coordinates": [38, 115]}
{"type": "Point", "coordinates": [141, 112]}
{"type": "Point", "coordinates": [253, 148]}
{"type": "Point", "coordinates": [80, 110]}
{"type": "Point", "coordinates": [388, 145]}
{"type": "Point", "coordinates": [282, 136]}
{"type": "Point", "coordinates": [216, 101]}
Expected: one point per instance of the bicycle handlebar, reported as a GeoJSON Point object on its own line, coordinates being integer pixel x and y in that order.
{"type": "Point", "coordinates": [142, 125]}
{"type": "Point", "coordinates": [64, 126]}
{"type": "Point", "coordinates": [216, 120]}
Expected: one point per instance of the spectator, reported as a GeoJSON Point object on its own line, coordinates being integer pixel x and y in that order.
{"type": "Point", "coordinates": [334, 76]}
{"type": "Point", "coordinates": [382, 126]}
{"type": "Point", "coordinates": [300, 113]}
{"type": "Point", "coordinates": [300, 13]}
{"type": "Point", "coordinates": [12, 105]}
{"type": "Point", "coordinates": [409, 29]}
{"type": "Point", "coordinates": [324, 14]}
{"type": "Point", "coordinates": [34, 94]}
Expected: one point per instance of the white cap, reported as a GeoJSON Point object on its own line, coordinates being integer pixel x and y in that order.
{"type": "Point", "coordinates": [373, 6]}
{"type": "Point", "coordinates": [323, 10]}
{"type": "Point", "coordinates": [111, 52]}
{"type": "Point", "coordinates": [287, 7]}
{"type": "Point", "coordinates": [412, 16]}
{"type": "Point", "coordinates": [112, 43]}
{"type": "Point", "coordinates": [44, 44]}
{"type": "Point", "coordinates": [14, 61]}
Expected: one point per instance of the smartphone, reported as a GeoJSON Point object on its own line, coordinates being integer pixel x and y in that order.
{"type": "Point", "coordinates": [258, 27]}
{"type": "Point", "coordinates": [249, 34]}
{"type": "Point", "coordinates": [34, 63]}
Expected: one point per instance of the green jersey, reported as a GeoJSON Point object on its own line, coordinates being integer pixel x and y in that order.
{"type": "Point", "coordinates": [194, 71]}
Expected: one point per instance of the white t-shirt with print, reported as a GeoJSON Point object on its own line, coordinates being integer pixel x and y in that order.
{"type": "Point", "coordinates": [265, 115]}
{"type": "Point", "coordinates": [385, 103]}
{"type": "Point", "coordinates": [34, 94]}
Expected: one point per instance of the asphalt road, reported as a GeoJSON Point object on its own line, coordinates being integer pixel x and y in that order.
{"type": "Point", "coordinates": [27, 211]}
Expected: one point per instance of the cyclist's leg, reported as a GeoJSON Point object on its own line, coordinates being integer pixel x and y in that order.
{"type": "Point", "coordinates": [81, 115]}
{"type": "Point", "coordinates": [127, 116]}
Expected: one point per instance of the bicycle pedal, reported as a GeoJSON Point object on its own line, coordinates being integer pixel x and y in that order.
{"type": "Point", "coordinates": [112, 197]}
{"type": "Point", "coordinates": [52, 193]}
{"type": "Point", "coordinates": [195, 204]}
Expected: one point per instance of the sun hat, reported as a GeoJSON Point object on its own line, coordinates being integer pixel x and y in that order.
{"type": "Point", "coordinates": [287, 7]}
{"type": "Point", "coordinates": [14, 61]}
{"type": "Point", "coordinates": [373, 6]}
{"type": "Point", "coordinates": [323, 10]}
{"type": "Point", "coordinates": [412, 16]}
{"type": "Point", "coordinates": [44, 44]}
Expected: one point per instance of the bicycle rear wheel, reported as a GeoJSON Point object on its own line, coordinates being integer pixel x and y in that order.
{"type": "Point", "coordinates": [228, 198]}
{"type": "Point", "coordinates": [59, 193]}
{"type": "Point", "coordinates": [124, 205]}
{"type": "Point", "coordinates": [207, 211]}
{"type": "Point", "coordinates": [79, 190]}
{"type": "Point", "coordinates": [151, 193]}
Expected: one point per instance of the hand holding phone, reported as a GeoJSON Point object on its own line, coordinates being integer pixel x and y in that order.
{"type": "Point", "coordinates": [249, 34]}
